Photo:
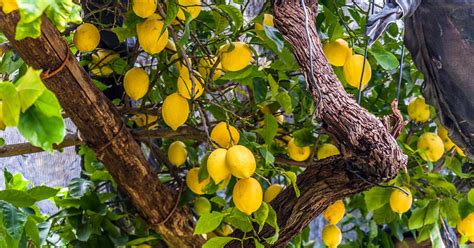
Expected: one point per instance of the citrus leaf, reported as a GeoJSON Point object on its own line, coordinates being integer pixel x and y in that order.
{"type": "Point", "coordinates": [239, 220]}
{"type": "Point", "coordinates": [29, 88]}
{"type": "Point", "coordinates": [376, 197]}
{"type": "Point", "coordinates": [272, 221]}
{"type": "Point", "coordinates": [261, 215]}
{"type": "Point", "coordinates": [293, 178]}
{"type": "Point", "coordinates": [470, 196]}
{"type": "Point", "coordinates": [42, 192]}
{"type": "Point", "coordinates": [18, 198]}
{"type": "Point", "coordinates": [11, 104]}
{"type": "Point", "coordinates": [234, 14]}
{"type": "Point", "coordinates": [208, 222]}
{"type": "Point", "coordinates": [270, 128]}
{"type": "Point", "coordinates": [14, 220]}
{"type": "Point", "coordinates": [384, 58]}
{"type": "Point", "coordinates": [285, 101]}
{"type": "Point", "coordinates": [31, 230]}
{"type": "Point", "coordinates": [217, 242]}
{"type": "Point", "coordinates": [275, 36]}
{"type": "Point", "coordinates": [79, 187]}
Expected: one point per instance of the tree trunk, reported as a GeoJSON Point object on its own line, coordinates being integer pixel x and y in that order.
{"type": "Point", "coordinates": [102, 129]}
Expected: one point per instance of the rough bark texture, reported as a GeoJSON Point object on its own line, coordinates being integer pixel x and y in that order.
{"type": "Point", "coordinates": [102, 129]}
{"type": "Point", "coordinates": [370, 153]}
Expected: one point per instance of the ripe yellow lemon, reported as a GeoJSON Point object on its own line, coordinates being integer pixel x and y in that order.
{"type": "Point", "coordinates": [272, 192]}
{"type": "Point", "coordinates": [2, 124]}
{"type": "Point", "coordinates": [337, 52]}
{"type": "Point", "coordinates": [149, 34]}
{"type": "Point", "coordinates": [332, 236]}
{"type": "Point", "coordinates": [352, 71]}
{"type": "Point", "coordinates": [247, 195]}
{"type": "Point", "coordinates": [240, 161]}
{"type": "Point", "coordinates": [430, 146]}
{"type": "Point", "coordinates": [418, 110]}
{"type": "Point", "coordinates": [206, 65]}
{"type": "Point", "coordinates": [267, 20]}
{"type": "Point", "coordinates": [334, 213]}
{"type": "Point", "coordinates": [101, 60]}
{"type": "Point", "coordinates": [471, 238]}
{"type": "Point", "coordinates": [9, 6]}
{"type": "Point", "coordinates": [144, 120]}
{"type": "Point", "coordinates": [136, 83]}
{"type": "Point", "coordinates": [175, 110]}
{"type": "Point", "coordinates": [224, 136]}
{"type": "Point", "coordinates": [399, 201]}
{"type": "Point", "coordinates": [171, 46]}
{"type": "Point", "coordinates": [236, 58]}
{"type": "Point", "coordinates": [185, 84]}
{"type": "Point", "coordinates": [216, 165]}
{"type": "Point", "coordinates": [193, 7]}
{"type": "Point", "coordinates": [298, 153]}
{"type": "Point", "coordinates": [202, 206]}
{"type": "Point", "coordinates": [466, 226]}
{"type": "Point", "coordinates": [327, 150]}
{"type": "Point", "coordinates": [144, 8]}
{"type": "Point", "coordinates": [86, 38]}
{"type": "Point", "coordinates": [177, 153]}
{"type": "Point", "coordinates": [192, 181]}
{"type": "Point", "coordinates": [448, 143]}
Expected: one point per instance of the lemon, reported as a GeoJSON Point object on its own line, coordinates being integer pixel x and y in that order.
{"type": "Point", "coordinates": [240, 161]}
{"type": "Point", "coordinates": [466, 226]}
{"type": "Point", "coordinates": [144, 120]}
{"type": "Point", "coordinates": [224, 136]}
{"type": "Point", "coordinates": [86, 38]}
{"type": "Point", "coordinates": [177, 153]}
{"type": "Point", "coordinates": [149, 34]}
{"type": "Point", "coordinates": [247, 195]}
{"type": "Point", "coordinates": [337, 52]}
{"type": "Point", "coordinates": [225, 230]}
{"type": "Point", "coordinates": [418, 110]}
{"type": "Point", "coordinates": [202, 206]}
{"type": "Point", "coordinates": [332, 236]}
{"type": "Point", "coordinates": [327, 150]}
{"type": "Point", "coordinates": [237, 58]}
{"type": "Point", "coordinates": [193, 183]}
{"type": "Point", "coordinates": [206, 65]}
{"type": "Point", "coordinates": [216, 165]}
{"type": "Point", "coordinates": [193, 7]}
{"type": "Point", "coordinates": [9, 6]}
{"type": "Point", "coordinates": [267, 20]}
{"type": "Point", "coordinates": [298, 153]}
{"type": "Point", "coordinates": [448, 143]}
{"type": "Point", "coordinates": [100, 61]}
{"type": "Point", "coordinates": [185, 85]}
{"type": "Point", "coordinates": [272, 192]}
{"type": "Point", "coordinates": [171, 46]}
{"type": "Point", "coordinates": [352, 71]}
{"type": "Point", "coordinates": [399, 201]}
{"type": "Point", "coordinates": [175, 110]}
{"type": "Point", "coordinates": [430, 146]}
{"type": "Point", "coordinates": [471, 238]}
{"type": "Point", "coordinates": [2, 124]}
{"type": "Point", "coordinates": [334, 213]}
{"type": "Point", "coordinates": [136, 83]}
{"type": "Point", "coordinates": [144, 8]}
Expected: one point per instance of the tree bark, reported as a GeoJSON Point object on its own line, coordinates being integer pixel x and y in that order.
{"type": "Point", "coordinates": [103, 130]}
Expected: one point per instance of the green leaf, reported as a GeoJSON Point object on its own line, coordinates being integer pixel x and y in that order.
{"type": "Point", "coordinates": [84, 231]}
{"type": "Point", "coordinates": [275, 36]}
{"type": "Point", "coordinates": [48, 104]}
{"type": "Point", "coordinates": [13, 220]}
{"type": "Point", "coordinates": [376, 197]}
{"type": "Point", "coordinates": [435, 236]}
{"type": "Point", "coordinates": [43, 229]}
{"type": "Point", "coordinates": [42, 192]}
{"type": "Point", "coordinates": [270, 128]}
{"type": "Point", "coordinates": [238, 74]}
{"type": "Point", "coordinates": [32, 231]}
{"type": "Point", "coordinates": [424, 216]}
{"type": "Point", "coordinates": [449, 208]}
{"type": "Point", "coordinates": [141, 240]}
{"type": "Point", "coordinates": [219, 201]}
{"type": "Point", "coordinates": [208, 222]}
{"type": "Point", "coordinates": [384, 58]}
{"type": "Point", "coordinates": [384, 215]}
{"type": "Point", "coordinates": [18, 198]}
{"type": "Point", "coordinates": [258, 244]}
{"type": "Point", "coordinates": [304, 137]}
{"type": "Point", "coordinates": [79, 187]}
{"type": "Point", "coordinates": [470, 196]}
{"type": "Point", "coordinates": [273, 85]}
{"type": "Point", "coordinates": [28, 29]}
{"type": "Point", "coordinates": [239, 220]}
{"type": "Point", "coordinates": [293, 179]}
{"type": "Point", "coordinates": [217, 242]}
{"type": "Point", "coordinates": [234, 14]}
{"type": "Point", "coordinates": [285, 101]}
{"type": "Point", "coordinates": [11, 104]}
{"type": "Point", "coordinates": [272, 221]}
{"type": "Point", "coordinates": [172, 9]}
{"type": "Point", "coordinates": [29, 88]}
{"type": "Point", "coordinates": [261, 215]}
{"type": "Point", "coordinates": [62, 12]}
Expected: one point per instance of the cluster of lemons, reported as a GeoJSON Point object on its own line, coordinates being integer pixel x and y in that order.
{"type": "Point", "coordinates": [302, 153]}
{"type": "Point", "coordinates": [338, 53]}
{"type": "Point", "coordinates": [332, 235]}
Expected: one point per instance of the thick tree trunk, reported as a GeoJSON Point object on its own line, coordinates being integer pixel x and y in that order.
{"type": "Point", "coordinates": [102, 129]}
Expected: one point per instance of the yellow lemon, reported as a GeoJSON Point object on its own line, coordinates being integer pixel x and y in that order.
{"type": "Point", "coordinates": [171, 46]}
{"type": "Point", "coordinates": [352, 71]}
{"type": "Point", "coordinates": [175, 110]}
{"type": "Point", "coordinates": [334, 213]}
{"type": "Point", "coordinates": [236, 58]}
{"type": "Point", "coordinates": [224, 136]}
{"type": "Point", "coordinates": [327, 150]}
{"type": "Point", "coordinates": [202, 206]}
{"type": "Point", "coordinates": [177, 153]}
{"type": "Point", "coordinates": [99, 64]}
{"type": "Point", "coordinates": [193, 7]}
{"type": "Point", "coordinates": [247, 195]}
{"type": "Point", "coordinates": [466, 226]}
{"type": "Point", "coordinates": [2, 124]}
{"type": "Point", "coordinates": [267, 20]}
{"type": "Point", "coordinates": [471, 239]}
{"type": "Point", "coordinates": [206, 65]}
{"type": "Point", "coordinates": [144, 8]}
{"type": "Point", "coordinates": [448, 143]}
{"type": "Point", "coordinates": [331, 236]}
{"type": "Point", "coordinates": [216, 165]}
{"type": "Point", "coordinates": [176, 60]}
{"type": "Point", "coordinates": [399, 201]}
{"type": "Point", "coordinates": [337, 52]}
{"type": "Point", "coordinates": [418, 110]}
{"type": "Point", "coordinates": [193, 183]}
{"type": "Point", "coordinates": [136, 83]}
{"type": "Point", "coordinates": [9, 6]}
{"type": "Point", "coordinates": [430, 146]}
{"type": "Point", "coordinates": [240, 161]}
{"type": "Point", "coordinates": [225, 230]}
{"type": "Point", "coordinates": [145, 120]}
{"type": "Point", "coordinates": [185, 84]}
{"type": "Point", "coordinates": [298, 153]}
{"type": "Point", "coordinates": [149, 34]}
{"type": "Point", "coordinates": [86, 38]}
{"type": "Point", "coordinates": [272, 192]}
